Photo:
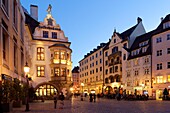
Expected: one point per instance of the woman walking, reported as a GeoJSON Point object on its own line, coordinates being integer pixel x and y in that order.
{"type": "Point", "coordinates": [55, 100]}
{"type": "Point", "coordinates": [61, 97]}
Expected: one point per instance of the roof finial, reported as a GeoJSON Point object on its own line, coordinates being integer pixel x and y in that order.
{"type": "Point", "coordinates": [49, 9]}
{"type": "Point", "coordinates": [114, 32]}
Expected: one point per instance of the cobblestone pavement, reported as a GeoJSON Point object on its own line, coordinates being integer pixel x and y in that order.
{"type": "Point", "coordinates": [101, 106]}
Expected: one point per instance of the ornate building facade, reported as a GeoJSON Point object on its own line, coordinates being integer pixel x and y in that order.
{"type": "Point", "coordinates": [51, 64]}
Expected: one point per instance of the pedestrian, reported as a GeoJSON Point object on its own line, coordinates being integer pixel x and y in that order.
{"type": "Point", "coordinates": [61, 97]}
{"type": "Point", "coordinates": [91, 97]}
{"type": "Point", "coordinates": [94, 97]}
{"type": "Point", "coordinates": [55, 100]}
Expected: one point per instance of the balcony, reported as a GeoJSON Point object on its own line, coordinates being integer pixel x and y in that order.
{"type": "Point", "coordinates": [60, 61]}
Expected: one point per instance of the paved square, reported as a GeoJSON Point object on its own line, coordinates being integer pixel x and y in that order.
{"type": "Point", "coordinates": [101, 106]}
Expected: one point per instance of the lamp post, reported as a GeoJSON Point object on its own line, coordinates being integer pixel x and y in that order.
{"type": "Point", "coordinates": [26, 70]}
{"type": "Point", "coordinates": [82, 85]}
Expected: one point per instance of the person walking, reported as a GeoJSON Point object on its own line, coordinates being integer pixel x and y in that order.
{"type": "Point", "coordinates": [55, 100]}
{"type": "Point", "coordinates": [61, 97]}
{"type": "Point", "coordinates": [94, 96]}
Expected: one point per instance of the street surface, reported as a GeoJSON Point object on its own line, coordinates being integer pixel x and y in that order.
{"type": "Point", "coordinates": [100, 106]}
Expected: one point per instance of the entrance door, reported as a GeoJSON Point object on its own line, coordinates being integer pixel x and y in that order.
{"type": "Point", "coordinates": [159, 94]}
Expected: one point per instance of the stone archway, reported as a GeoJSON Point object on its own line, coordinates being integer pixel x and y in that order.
{"type": "Point", "coordinates": [46, 90]}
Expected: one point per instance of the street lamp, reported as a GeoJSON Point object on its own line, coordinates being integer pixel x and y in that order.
{"type": "Point", "coordinates": [26, 70]}
{"type": "Point", "coordinates": [82, 85]}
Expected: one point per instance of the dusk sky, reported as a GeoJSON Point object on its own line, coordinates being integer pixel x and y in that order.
{"type": "Point", "coordinates": [87, 23]}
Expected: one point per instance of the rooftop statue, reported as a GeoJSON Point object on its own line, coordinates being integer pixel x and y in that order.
{"type": "Point", "coordinates": [49, 9]}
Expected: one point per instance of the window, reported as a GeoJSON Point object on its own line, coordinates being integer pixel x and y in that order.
{"type": "Point", "coordinates": [5, 5]}
{"type": "Point", "coordinates": [45, 34]}
{"type": "Point", "coordinates": [63, 55]}
{"type": "Point", "coordinates": [50, 21]}
{"type": "Point", "coordinates": [100, 61]}
{"type": "Point", "coordinates": [128, 83]}
{"type": "Point", "coordinates": [106, 71]}
{"type": "Point", "coordinates": [168, 36]}
{"type": "Point", "coordinates": [114, 40]}
{"type": "Point", "coordinates": [136, 83]}
{"type": "Point", "coordinates": [159, 52]}
{"type": "Point", "coordinates": [21, 29]}
{"type": "Point", "coordinates": [136, 61]}
{"type": "Point", "coordinates": [111, 70]}
{"type": "Point", "coordinates": [128, 73]}
{"type": "Point", "coordinates": [168, 65]}
{"type": "Point", "coordinates": [159, 66]}
{"type": "Point", "coordinates": [158, 40]}
{"type": "Point", "coordinates": [96, 70]}
{"type": "Point", "coordinates": [136, 72]}
{"type": "Point", "coordinates": [106, 54]}
{"type": "Point", "coordinates": [100, 68]}
{"type": "Point", "coordinates": [146, 82]}
{"type": "Point", "coordinates": [22, 59]}
{"type": "Point", "coordinates": [146, 71]}
{"type": "Point", "coordinates": [146, 60]}
{"type": "Point", "coordinates": [96, 78]}
{"type": "Point", "coordinates": [96, 55]}
{"type": "Point", "coordinates": [106, 62]}
{"type": "Point", "coordinates": [168, 78]}
{"type": "Point", "coordinates": [57, 72]}
{"type": "Point", "coordinates": [166, 25]}
{"type": "Point", "coordinates": [168, 50]}
{"type": "Point", "coordinates": [100, 53]}
{"type": "Point", "coordinates": [57, 54]}
{"type": "Point", "coordinates": [115, 49]}
{"type": "Point", "coordinates": [96, 62]}
{"type": "Point", "coordinates": [5, 40]}
{"type": "Point", "coordinates": [125, 45]}
{"type": "Point", "coordinates": [40, 53]}
{"type": "Point", "coordinates": [15, 13]}
{"type": "Point", "coordinates": [63, 72]}
{"type": "Point", "coordinates": [159, 79]}
{"type": "Point", "coordinates": [40, 71]}
{"type": "Point", "coordinates": [54, 35]}
{"type": "Point", "coordinates": [116, 68]}
{"type": "Point", "coordinates": [15, 53]}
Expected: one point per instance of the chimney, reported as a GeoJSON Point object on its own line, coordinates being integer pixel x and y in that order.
{"type": "Point", "coordinates": [139, 20]}
{"type": "Point", "coordinates": [34, 11]}
{"type": "Point", "coordinates": [162, 19]}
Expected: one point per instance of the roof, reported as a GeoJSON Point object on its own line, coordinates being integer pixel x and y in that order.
{"type": "Point", "coordinates": [75, 69]}
{"type": "Point", "coordinates": [30, 21]}
{"type": "Point", "coordinates": [138, 40]}
{"type": "Point", "coordinates": [59, 45]}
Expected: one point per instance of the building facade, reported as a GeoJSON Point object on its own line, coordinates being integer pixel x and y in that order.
{"type": "Point", "coordinates": [115, 55]}
{"type": "Point", "coordinates": [161, 58]}
{"type": "Point", "coordinates": [91, 71]}
{"type": "Point", "coordinates": [50, 53]}
{"type": "Point", "coordinates": [12, 46]}
{"type": "Point", "coordinates": [76, 80]}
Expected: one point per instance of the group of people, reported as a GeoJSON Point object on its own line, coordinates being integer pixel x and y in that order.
{"type": "Point", "coordinates": [59, 97]}
{"type": "Point", "coordinates": [92, 97]}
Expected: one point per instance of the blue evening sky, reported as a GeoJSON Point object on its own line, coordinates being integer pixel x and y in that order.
{"type": "Point", "coordinates": [87, 23]}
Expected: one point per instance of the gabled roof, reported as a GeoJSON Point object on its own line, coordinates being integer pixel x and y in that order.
{"type": "Point", "coordinates": [138, 40]}
{"type": "Point", "coordinates": [124, 35]}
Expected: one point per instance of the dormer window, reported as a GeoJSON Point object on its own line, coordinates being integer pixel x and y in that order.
{"type": "Point", "coordinates": [114, 40]}
{"type": "Point", "coordinates": [166, 25]}
{"type": "Point", "coordinates": [50, 22]}
{"type": "Point", "coordinates": [45, 34]}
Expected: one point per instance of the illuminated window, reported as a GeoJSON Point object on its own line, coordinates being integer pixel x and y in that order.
{"type": "Point", "coordinates": [146, 82]}
{"type": "Point", "coordinates": [40, 71]}
{"type": "Point", "coordinates": [63, 56]}
{"type": "Point", "coordinates": [40, 53]}
{"type": "Point", "coordinates": [159, 79]}
{"type": "Point", "coordinates": [128, 83]}
{"type": "Point", "coordinates": [168, 78]}
{"type": "Point", "coordinates": [56, 72]}
{"type": "Point", "coordinates": [136, 61]}
{"type": "Point", "coordinates": [63, 72]}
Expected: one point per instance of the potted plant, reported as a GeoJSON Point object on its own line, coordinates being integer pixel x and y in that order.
{"type": "Point", "coordinates": [17, 93]}
{"type": "Point", "coordinates": [7, 91]}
